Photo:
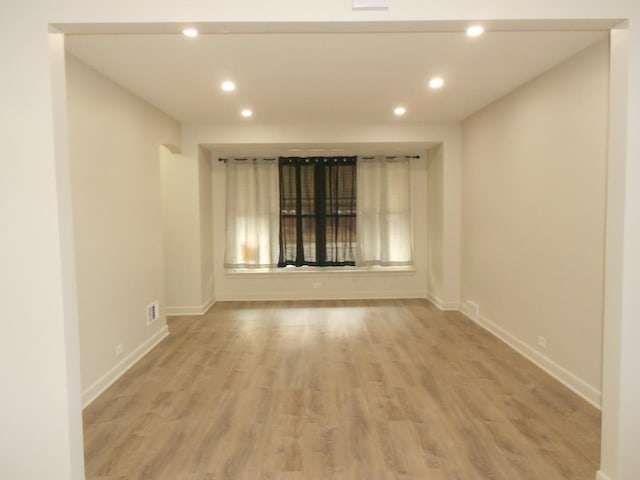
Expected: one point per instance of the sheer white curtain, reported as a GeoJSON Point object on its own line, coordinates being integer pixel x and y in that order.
{"type": "Point", "coordinates": [384, 211]}
{"type": "Point", "coordinates": [252, 213]}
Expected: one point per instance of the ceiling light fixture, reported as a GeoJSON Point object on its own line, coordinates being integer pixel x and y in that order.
{"type": "Point", "coordinates": [370, 4]}
{"type": "Point", "coordinates": [190, 32]}
{"type": "Point", "coordinates": [436, 82]}
{"type": "Point", "coordinates": [246, 113]}
{"type": "Point", "coordinates": [475, 30]}
{"type": "Point", "coordinates": [228, 86]}
{"type": "Point", "coordinates": [400, 111]}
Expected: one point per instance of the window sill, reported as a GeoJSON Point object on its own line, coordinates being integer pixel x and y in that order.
{"type": "Point", "coordinates": [295, 271]}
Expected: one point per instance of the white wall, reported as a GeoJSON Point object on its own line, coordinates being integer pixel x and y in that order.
{"type": "Point", "coordinates": [206, 229]}
{"type": "Point", "coordinates": [188, 236]}
{"type": "Point", "coordinates": [296, 285]}
{"type": "Point", "coordinates": [620, 459]}
{"type": "Point", "coordinates": [534, 199]}
{"type": "Point", "coordinates": [40, 408]}
{"type": "Point", "coordinates": [181, 226]}
{"type": "Point", "coordinates": [435, 223]}
{"type": "Point", "coordinates": [40, 419]}
{"type": "Point", "coordinates": [114, 140]}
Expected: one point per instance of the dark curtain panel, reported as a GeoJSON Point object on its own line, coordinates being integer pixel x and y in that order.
{"type": "Point", "coordinates": [317, 211]}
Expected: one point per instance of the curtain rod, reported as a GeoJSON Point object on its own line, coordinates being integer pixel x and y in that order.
{"type": "Point", "coordinates": [244, 159]}
{"type": "Point", "coordinates": [390, 157]}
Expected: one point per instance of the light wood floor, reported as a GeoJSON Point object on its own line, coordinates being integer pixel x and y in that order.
{"type": "Point", "coordinates": [337, 390]}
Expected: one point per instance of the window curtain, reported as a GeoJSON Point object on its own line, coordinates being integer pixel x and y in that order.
{"type": "Point", "coordinates": [384, 211]}
{"type": "Point", "coordinates": [252, 207]}
{"type": "Point", "coordinates": [317, 211]}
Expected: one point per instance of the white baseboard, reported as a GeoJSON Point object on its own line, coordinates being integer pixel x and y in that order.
{"type": "Point", "coordinates": [345, 295]}
{"type": "Point", "coordinates": [442, 304]}
{"type": "Point", "coordinates": [600, 475]}
{"type": "Point", "coordinates": [185, 311]}
{"type": "Point", "coordinates": [571, 381]}
{"type": "Point", "coordinates": [470, 309]}
{"type": "Point", "coordinates": [91, 393]}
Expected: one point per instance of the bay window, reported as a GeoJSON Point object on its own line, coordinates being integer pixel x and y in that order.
{"type": "Point", "coordinates": [318, 212]}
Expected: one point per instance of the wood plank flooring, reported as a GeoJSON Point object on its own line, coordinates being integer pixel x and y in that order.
{"type": "Point", "coordinates": [375, 390]}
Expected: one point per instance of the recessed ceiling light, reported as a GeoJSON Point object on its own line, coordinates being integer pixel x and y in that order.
{"type": "Point", "coordinates": [475, 30]}
{"type": "Point", "coordinates": [436, 82]}
{"type": "Point", "coordinates": [246, 113]}
{"type": "Point", "coordinates": [400, 111]}
{"type": "Point", "coordinates": [228, 86]}
{"type": "Point", "coordinates": [190, 32]}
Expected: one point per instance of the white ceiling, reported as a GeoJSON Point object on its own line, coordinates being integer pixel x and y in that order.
{"type": "Point", "coordinates": [292, 78]}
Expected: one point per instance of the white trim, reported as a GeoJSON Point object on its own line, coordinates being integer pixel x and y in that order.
{"type": "Point", "coordinates": [208, 304]}
{"type": "Point", "coordinates": [91, 393]}
{"type": "Point", "coordinates": [600, 475]}
{"type": "Point", "coordinates": [442, 304]}
{"type": "Point", "coordinates": [186, 311]}
{"type": "Point", "coordinates": [343, 295]}
{"type": "Point", "coordinates": [564, 376]}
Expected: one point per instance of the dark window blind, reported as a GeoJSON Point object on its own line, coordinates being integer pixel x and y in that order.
{"type": "Point", "coordinates": [317, 211]}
